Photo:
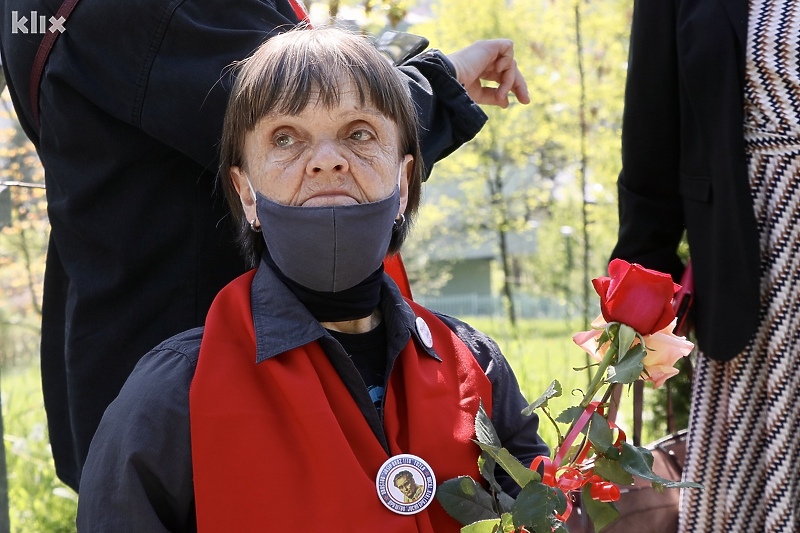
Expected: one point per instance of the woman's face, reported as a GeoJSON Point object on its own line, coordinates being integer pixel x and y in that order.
{"type": "Point", "coordinates": [345, 155]}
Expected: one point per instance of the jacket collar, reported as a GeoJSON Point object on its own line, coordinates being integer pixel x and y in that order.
{"type": "Point", "coordinates": [282, 323]}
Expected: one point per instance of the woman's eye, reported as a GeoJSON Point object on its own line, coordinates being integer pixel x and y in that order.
{"type": "Point", "coordinates": [361, 135]}
{"type": "Point", "coordinates": [283, 140]}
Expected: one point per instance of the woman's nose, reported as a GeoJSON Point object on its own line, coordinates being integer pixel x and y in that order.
{"type": "Point", "coordinates": [327, 156]}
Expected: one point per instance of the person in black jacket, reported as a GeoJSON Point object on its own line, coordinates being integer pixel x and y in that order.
{"type": "Point", "coordinates": [711, 139]}
{"type": "Point", "coordinates": [313, 384]}
{"type": "Point", "coordinates": [130, 106]}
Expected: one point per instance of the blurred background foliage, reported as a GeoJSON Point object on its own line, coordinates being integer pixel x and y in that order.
{"type": "Point", "coordinates": [37, 500]}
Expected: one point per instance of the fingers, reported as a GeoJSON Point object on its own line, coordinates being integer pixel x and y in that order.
{"type": "Point", "coordinates": [510, 81]}
{"type": "Point", "coordinates": [510, 78]}
{"type": "Point", "coordinates": [492, 61]}
{"type": "Point", "coordinates": [487, 96]}
{"type": "Point", "coordinates": [517, 84]}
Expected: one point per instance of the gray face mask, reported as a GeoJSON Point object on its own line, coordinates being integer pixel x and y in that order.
{"type": "Point", "coordinates": [331, 248]}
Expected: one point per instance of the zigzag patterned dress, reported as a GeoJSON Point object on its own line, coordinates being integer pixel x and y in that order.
{"type": "Point", "coordinates": [745, 425]}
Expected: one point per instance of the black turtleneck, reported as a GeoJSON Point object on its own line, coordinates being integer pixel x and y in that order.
{"type": "Point", "coordinates": [350, 304]}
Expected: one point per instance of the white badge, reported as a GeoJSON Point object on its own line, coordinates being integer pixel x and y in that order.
{"type": "Point", "coordinates": [424, 332]}
{"type": "Point", "coordinates": [406, 484]}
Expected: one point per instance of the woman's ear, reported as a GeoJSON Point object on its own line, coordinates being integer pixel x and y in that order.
{"type": "Point", "coordinates": [406, 172]}
{"type": "Point", "coordinates": [245, 192]}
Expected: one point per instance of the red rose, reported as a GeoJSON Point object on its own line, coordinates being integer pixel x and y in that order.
{"type": "Point", "coordinates": [636, 296]}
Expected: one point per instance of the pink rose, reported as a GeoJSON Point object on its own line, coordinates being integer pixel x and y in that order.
{"type": "Point", "coordinates": [588, 339]}
{"type": "Point", "coordinates": [636, 296]}
{"type": "Point", "coordinates": [664, 349]}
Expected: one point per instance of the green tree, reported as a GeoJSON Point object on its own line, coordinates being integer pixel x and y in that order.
{"type": "Point", "coordinates": [523, 169]}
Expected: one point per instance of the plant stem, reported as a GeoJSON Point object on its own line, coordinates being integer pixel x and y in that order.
{"type": "Point", "coordinates": [596, 381]}
{"type": "Point", "coordinates": [608, 393]}
{"type": "Point", "coordinates": [598, 377]}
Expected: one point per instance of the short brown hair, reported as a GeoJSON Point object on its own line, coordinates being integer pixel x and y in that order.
{"type": "Point", "coordinates": [279, 78]}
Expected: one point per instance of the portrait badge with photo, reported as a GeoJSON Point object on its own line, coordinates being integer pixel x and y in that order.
{"type": "Point", "coordinates": [406, 484]}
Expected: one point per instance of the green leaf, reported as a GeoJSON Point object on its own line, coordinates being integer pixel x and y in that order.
{"type": "Point", "coordinates": [602, 514]}
{"type": "Point", "coordinates": [639, 462]}
{"type": "Point", "coordinates": [612, 453]}
{"type": "Point", "coordinates": [612, 328]}
{"type": "Point", "coordinates": [484, 430]}
{"type": "Point", "coordinates": [505, 501]}
{"type": "Point", "coordinates": [520, 473]}
{"type": "Point", "coordinates": [630, 369]}
{"type": "Point", "coordinates": [486, 466]}
{"type": "Point", "coordinates": [483, 526]}
{"type": "Point", "coordinates": [537, 505]}
{"type": "Point", "coordinates": [604, 337]}
{"type": "Point", "coordinates": [465, 500]}
{"type": "Point", "coordinates": [553, 391]}
{"type": "Point", "coordinates": [570, 414]}
{"type": "Point", "coordinates": [600, 434]}
{"type": "Point", "coordinates": [636, 460]}
{"type": "Point", "coordinates": [625, 337]}
{"type": "Point", "coordinates": [507, 523]}
{"type": "Point", "coordinates": [486, 434]}
{"type": "Point", "coordinates": [610, 470]}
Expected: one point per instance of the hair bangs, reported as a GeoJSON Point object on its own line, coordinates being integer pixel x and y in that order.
{"type": "Point", "coordinates": [317, 73]}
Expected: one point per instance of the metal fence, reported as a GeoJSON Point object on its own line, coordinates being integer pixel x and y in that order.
{"type": "Point", "coordinates": [526, 306]}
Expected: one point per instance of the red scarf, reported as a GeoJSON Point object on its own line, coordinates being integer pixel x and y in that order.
{"type": "Point", "coordinates": [282, 446]}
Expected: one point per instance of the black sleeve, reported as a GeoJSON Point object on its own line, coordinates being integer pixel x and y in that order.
{"type": "Point", "coordinates": [138, 474]}
{"type": "Point", "coordinates": [448, 116]}
{"type": "Point", "coordinates": [518, 433]}
{"type": "Point", "coordinates": [650, 208]}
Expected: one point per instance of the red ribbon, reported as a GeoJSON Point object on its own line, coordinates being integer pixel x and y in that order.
{"type": "Point", "coordinates": [576, 430]}
{"type": "Point", "coordinates": [602, 490]}
{"type": "Point", "coordinates": [566, 479]}
{"type": "Point", "coordinates": [572, 477]}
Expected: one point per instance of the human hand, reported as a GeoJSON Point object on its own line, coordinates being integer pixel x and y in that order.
{"type": "Point", "coordinates": [491, 60]}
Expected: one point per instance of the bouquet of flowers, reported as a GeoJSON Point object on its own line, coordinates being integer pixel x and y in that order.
{"type": "Point", "coordinates": [632, 339]}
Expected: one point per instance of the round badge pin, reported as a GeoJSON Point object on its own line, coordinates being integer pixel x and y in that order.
{"type": "Point", "coordinates": [406, 484]}
{"type": "Point", "coordinates": [424, 332]}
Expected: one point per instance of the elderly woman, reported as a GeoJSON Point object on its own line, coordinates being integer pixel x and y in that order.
{"type": "Point", "coordinates": [314, 383]}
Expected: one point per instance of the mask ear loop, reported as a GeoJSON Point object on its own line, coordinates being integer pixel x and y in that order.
{"type": "Point", "coordinates": [401, 219]}
{"type": "Point", "coordinates": [253, 227]}
{"type": "Point", "coordinates": [252, 190]}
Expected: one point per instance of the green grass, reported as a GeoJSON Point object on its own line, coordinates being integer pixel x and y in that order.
{"type": "Point", "coordinates": [541, 351]}
{"type": "Point", "coordinates": [38, 501]}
